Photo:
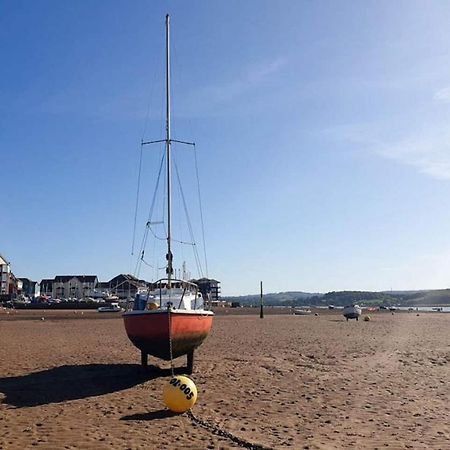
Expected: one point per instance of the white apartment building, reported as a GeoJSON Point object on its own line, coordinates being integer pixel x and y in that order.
{"type": "Point", "coordinates": [5, 271]}
{"type": "Point", "coordinates": [73, 286]}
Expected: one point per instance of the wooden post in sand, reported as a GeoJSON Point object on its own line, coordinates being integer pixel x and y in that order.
{"type": "Point", "coordinates": [261, 310]}
{"type": "Point", "coordinates": [144, 359]}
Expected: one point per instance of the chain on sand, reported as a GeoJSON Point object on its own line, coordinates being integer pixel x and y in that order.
{"type": "Point", "coordinates": [226, 434]}
{"type": "Point", "coordinates": [206, 425]}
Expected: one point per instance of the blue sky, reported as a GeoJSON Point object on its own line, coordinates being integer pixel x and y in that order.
{"type": "Point", "coordinates": [322, 133]}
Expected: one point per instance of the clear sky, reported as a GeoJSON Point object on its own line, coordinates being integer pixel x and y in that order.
{"type": "Point", "coordinates": [322, 131]}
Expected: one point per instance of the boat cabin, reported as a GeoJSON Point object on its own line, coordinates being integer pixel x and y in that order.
{"type": "Point", "coordinates": [178, 295]}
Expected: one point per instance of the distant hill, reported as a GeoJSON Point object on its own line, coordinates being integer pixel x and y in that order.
{"type": "Point", "coordinates": [436, 297]}
{"type": "Point", "coordinates": [439, 297]}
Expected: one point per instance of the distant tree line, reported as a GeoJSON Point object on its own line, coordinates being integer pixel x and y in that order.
{"type": "Point", "coordinates": [342, 298]}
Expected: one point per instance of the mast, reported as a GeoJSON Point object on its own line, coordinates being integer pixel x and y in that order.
{"type": "Point", "coordinates": [169, 255]}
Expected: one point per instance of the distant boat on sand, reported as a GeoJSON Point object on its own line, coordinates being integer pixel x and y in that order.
{"type": "Point", "coordinates": [113, 307]}
{"type": "Point", "coordinates": [301, 312]}
{"type": "Point", "coordinates": [352, 312]}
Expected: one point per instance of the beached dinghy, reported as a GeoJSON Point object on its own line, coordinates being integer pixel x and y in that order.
{"type": "Point", "coordinates": [113, 307]}
{"type": "Point", "coordinates": [169, 319]}
{"type": "Point", "coordinates": [301, 312]}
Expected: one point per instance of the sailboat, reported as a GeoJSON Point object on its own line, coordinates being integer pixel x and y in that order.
{"type": "Point", "coordinates": [169, 320]}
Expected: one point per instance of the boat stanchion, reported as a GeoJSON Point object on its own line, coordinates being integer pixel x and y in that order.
{"type": "Point", "coordinates": [190, 362]}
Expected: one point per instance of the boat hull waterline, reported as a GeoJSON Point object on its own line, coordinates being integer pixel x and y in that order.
{"type": "Point", "coordinates": [149, 331]}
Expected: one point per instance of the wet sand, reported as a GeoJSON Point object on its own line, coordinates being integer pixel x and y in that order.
{"type": "Point", "coordinates": [281, 382]}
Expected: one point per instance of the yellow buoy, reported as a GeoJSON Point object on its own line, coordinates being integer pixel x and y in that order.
{"type": "Point", "coordinates": [366, 318]}
{"type": "Point", "coordinates": [152, 305]}
{"type": "Point", "coordinates": [180, 394]}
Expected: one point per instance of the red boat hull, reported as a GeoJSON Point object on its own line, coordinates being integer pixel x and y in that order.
{"type": "Point", "coordinates": [149, 332]}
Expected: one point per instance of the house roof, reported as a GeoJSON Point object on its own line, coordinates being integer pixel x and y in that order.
{"type": "Point", "coordinates": [82, 278]}
{"type": "Point", "coordinates": [205, 280]}
{"type": "Point", "coordinates": [63, 278]}
{"type": "Point", "coordinates": [87, 278]}
{"type": "Point", "coordinates": [26, 279]}
{"type": "Point", "coordinates": [125, 276]}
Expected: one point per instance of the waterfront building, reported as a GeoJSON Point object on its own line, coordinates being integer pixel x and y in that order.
{"type": "Point", "coordinates": [46, 287]}
{"type": "Point", "coordinates": [209, 288]}
{"type": "Point", "coordinates": [15, 285]}
{"type": "Point", "coordinates": [9, 284]}
{"type": "Point", "coordinates": [125, 285]}
{"type": "Point", "coordinates": [69, 286]}
{"type": "Point", "coordinates": [5, 273]}
{"type": "Point", "coordinates": [28, 287]}
{"type": "Point", "coordinates": [82, 286]}
{"type": "Point", "coordinates": [73, 286]}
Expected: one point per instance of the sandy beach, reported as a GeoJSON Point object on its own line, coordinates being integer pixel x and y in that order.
{"type": "Point", "coordinates": [317, 382]}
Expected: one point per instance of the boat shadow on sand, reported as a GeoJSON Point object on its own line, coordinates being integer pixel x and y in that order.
{"type": "Point", "coordinates": [64, 383]}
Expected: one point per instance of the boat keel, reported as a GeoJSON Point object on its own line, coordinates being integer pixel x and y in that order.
{"type": "Point", "coordinates": [189, 362]}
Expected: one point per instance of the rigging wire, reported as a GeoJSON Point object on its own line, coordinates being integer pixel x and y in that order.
{"type": "Point", "coordinates": [144, 239]}
{"type": "Point", "coordinates": [146, 263]}
{"type": "Point", "coordinates": [201, 210]}
{"type": "Point", "coordinates": [181, 226]}
{"type": "Point", "coordinates": [137, 200]}
{"type": "Point", "coordinates": [149, 228]}
{"type": "Point", "coordinates": [157, 62]}
{"type": "Point", "coordinates": [176, 81]}
{"type": "Point", "coordinates": [155, 235]}
{"type": "Point", "coordinates": [144, 130]}
{"type": "Point", "coordinates": [194, 246]}
{"type": "Point", "coordinates": [161, 121]}
{"type": "Point", "coordinates": [183, 242]}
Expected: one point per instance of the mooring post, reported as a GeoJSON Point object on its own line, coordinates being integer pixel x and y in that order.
{"type": "Point", "coordinates": [261, 310]}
